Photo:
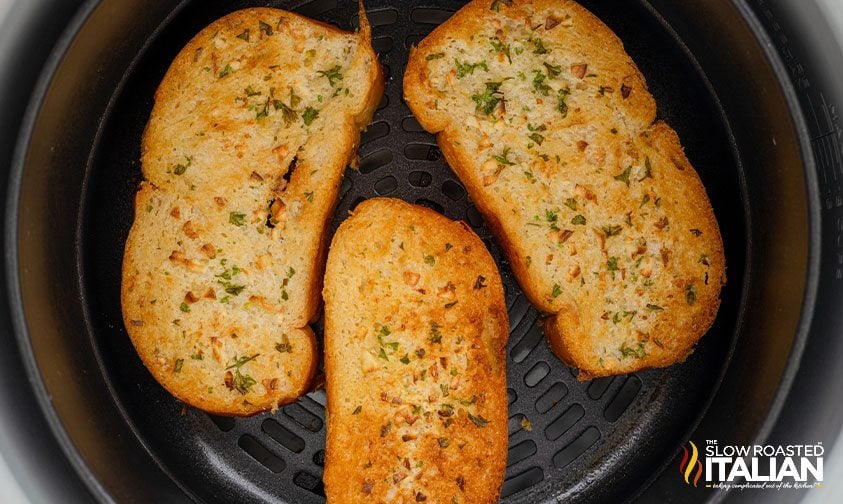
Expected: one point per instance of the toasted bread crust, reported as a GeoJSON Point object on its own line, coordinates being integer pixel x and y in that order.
{"type": "Point", "coordinates": [604, 220]}
{"type": "Point", "coordinates": [242, 164]}
{"type": "Point", "coordinates": [415, 338]}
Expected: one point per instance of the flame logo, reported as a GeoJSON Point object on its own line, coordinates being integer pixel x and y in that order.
{"type": "Point", "coordinates": [686, 466]}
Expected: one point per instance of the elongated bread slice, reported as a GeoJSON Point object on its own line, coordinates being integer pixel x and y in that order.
{"type": "Point", "coordinates": [251, 131]}
{"type": "Point", "coordinates": [550, 126]}
{"type": "Point", "coordinates": [415, 336]}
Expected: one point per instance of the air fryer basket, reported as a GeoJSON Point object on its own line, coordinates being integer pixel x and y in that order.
{"type": "Point", "coordinates": [606, 440]}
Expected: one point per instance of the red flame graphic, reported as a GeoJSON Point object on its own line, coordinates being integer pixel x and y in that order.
{"type": "Point", "coordinates": [690, 459]}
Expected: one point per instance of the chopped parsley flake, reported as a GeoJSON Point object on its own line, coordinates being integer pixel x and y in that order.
{"type": "Point", "coordinates": [552, 70]}
{"type": "Point", "coordinates": [179, 169]}
{"type": "Point", "coordinates": [624, 176]}
{"type": "Point", "coordinates": [487, 101]}
{"type": "Point", "coordinates": [526, 424]}
{"type": "Point", "coordinates": [237, 218]}
{"type": "Point", "coordinates": [536, 138]}
{"type": "Point", "coordinates": [648, 170]}
{"type": "Point", "coordinates": [241, 382]}
{"type": "Point", "coordinates": [309, 115]}
{"type": "Point", "coordinates": [232, 289]}
{"type": "Point", "coordinates": [539, 84]}
{"type": "Point", "coordinates": [496, 5]}
{"type": "Point", "coordinates": [287, 111]}
{"type": "Point", "coordinates": [244, 35]}
{"type": "Point", "coordinates": [501, 48]}
{"type": "Point", "coordinates": [229, 273]}
{"type": "Point", "coordinates": [503, 158]}
{"type": "Point", "coordinates": [562, 106]}
{"type": "Point", "coordinates": [265, 27]}
{"type": "Point", "coordinates": [611, 230]}
{"type": "Point", "coordinates": [435, 335]}
{"type": "Point", "coordinates": [691, 294]}
{"type": "Point", "coordinates": [238, 363]}
{"type": "Point", "coordinates": [333, 74]}
{"type": "Point", "coordinates": [637, 352]}
{"type": "Point", "coordinates": [225, 71]}
{"type": "Point", "coordinates": [478, 420]}
{"type": "Point", "coordinates": [285, 346]}
{"type": "Point", "coordinates": [263, 111]}
{"type": "Point", "coordinates": [618, 316]}
{"type": "Point", "coordinates": [467, 68]}
{"type": "Point", "coordinates": [552, 218]}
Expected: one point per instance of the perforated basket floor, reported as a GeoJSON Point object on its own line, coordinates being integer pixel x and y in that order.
{"type": "Point", "coordinates": [599, 440]}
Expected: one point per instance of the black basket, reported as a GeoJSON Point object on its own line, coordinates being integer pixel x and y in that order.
{"type": "Point", "coordinates": [606, 435]}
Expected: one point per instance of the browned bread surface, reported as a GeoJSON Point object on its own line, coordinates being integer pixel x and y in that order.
{"type": "Point", "coordinates": [415, 337]}
{"type": "Point", "coordinates": [252, 128]}
{"type": "Point", "coordinates": [550, 126]}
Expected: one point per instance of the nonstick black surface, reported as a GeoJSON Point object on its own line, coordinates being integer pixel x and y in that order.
{"type": "Point", "coordinates": [598, 440]}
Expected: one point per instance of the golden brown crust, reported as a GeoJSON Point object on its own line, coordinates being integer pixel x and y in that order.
{"type": "Point", "coordinates": [549, 125]}
{"type": "Point", "coordinates": [252, 128]}
{"type": "Point", "coordinates": [415, 338]}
